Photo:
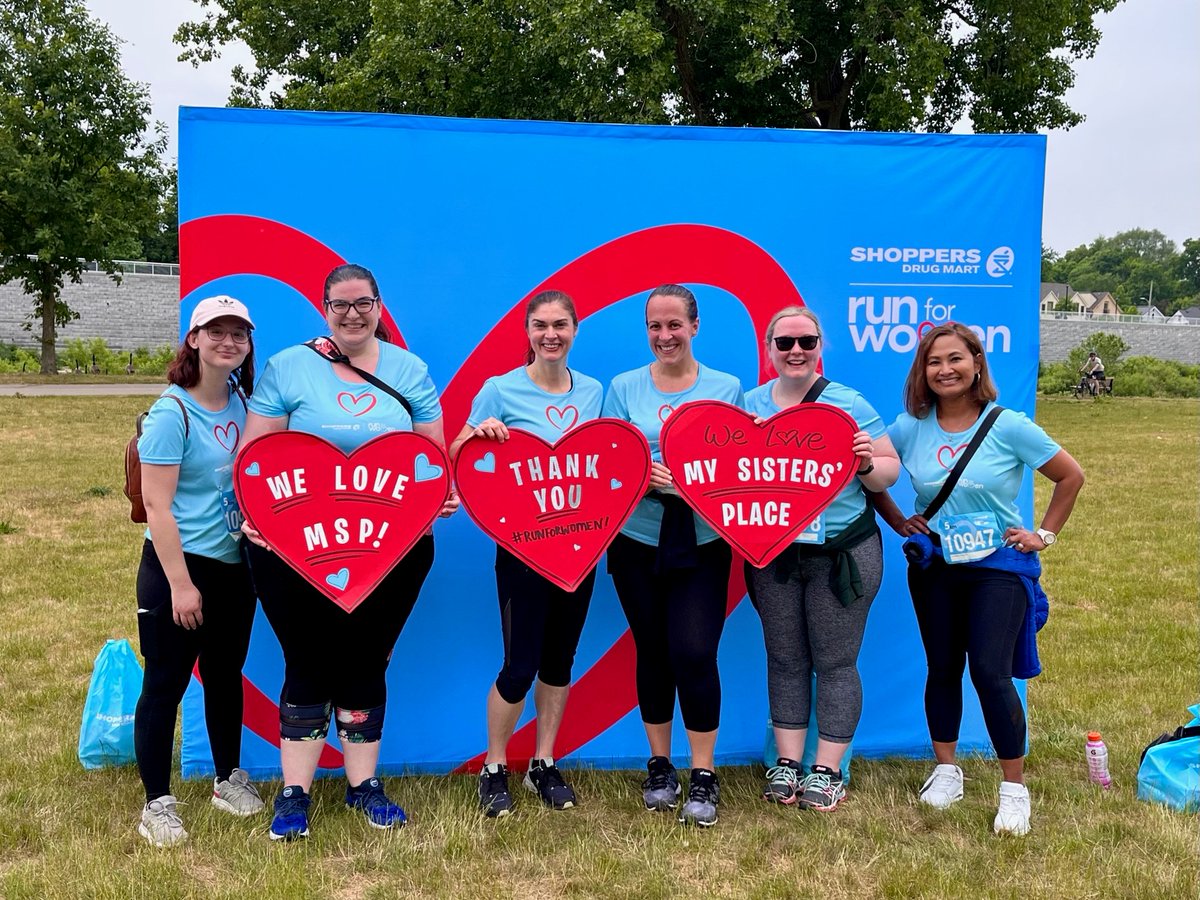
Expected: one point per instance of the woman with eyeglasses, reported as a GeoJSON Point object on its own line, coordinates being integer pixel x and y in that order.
{"type": "Point", "coordinates": [541, 622]}
{"type": "Point", "coordinates": [195, 599]}
{"type": "Point", "coordinates": [336, 662]}
{"type": "Point", "coordinates": [670, 570]}
{"type": "Point", "coordinates": [814, 597]}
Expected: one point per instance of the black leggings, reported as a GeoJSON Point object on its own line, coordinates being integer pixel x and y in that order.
{"type": "Point", "coordinates": [171, 651]}
{"type": "Point", "coordinates": [971, 614]}
{"type": "Point", "coordinates": [541, 624]}
{"type": "Point", "coordinates": [676, 619]}
{"type": "Point", "coordinates": [332, 656]}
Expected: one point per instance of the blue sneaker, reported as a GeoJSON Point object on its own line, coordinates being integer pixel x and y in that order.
{"type": "Point", "coordinates": [291, 814]}
{"type": "Point", "coordinates": [379, 810]}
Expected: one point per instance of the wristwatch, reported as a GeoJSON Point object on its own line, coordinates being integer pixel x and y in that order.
{"type": "Point", "coordinates": [868, 470]}
{"type": "Point", "coordinates": [1048, 537]}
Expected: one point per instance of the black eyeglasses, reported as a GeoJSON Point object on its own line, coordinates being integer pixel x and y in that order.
{"type": "Point", "coordinates": [362, 305]}
{"type": "Point", "coordinates": [806, 342]}
{"type": "Point", "coordinates": [217, 333]}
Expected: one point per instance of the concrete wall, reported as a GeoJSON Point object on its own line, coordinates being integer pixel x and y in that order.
{"type": "Point", "coordinates": [141, 311]}
{"type": "Point", "coordinates": [1177, 342]}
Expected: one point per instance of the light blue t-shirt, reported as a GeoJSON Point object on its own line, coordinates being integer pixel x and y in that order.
{"type": "Point", "coordinates": [992, 478]}
{"type": "Point", "coordinates": [850, 503]}
{"type": "Point", "coordinates": [633, 397]}
{"type": "Point", "coordinates": [516, 401]}
{"type": "Point", "coordinates": [300, 384]}
{"type": "Point", "coordinates": [204, 505]}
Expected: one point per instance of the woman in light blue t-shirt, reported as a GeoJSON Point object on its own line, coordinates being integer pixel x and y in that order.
{"type": "Point", "coordinates": [541, 622]}
{"type": "Point", "coordinates": [971, 597]}
{"type": "Point", "coordinates": [671, 571]}
{"type": "Point", "coordinates": [195, 600]}
{"type": "Point", "coordinates": [336, 662]}
{"type": "Point", "coordinates": [814, 597]}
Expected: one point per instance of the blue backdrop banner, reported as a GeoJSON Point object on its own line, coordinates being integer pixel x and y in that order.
{"type": "Point", "coordinates": [882, 235]}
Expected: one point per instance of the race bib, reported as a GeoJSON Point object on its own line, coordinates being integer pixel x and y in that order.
{"type": "Point", "coordinates": [970, 536]}
{"type": "Point", "coordinates": [231, 513]}
{"type": "Point", "coordinates": [814, 533]}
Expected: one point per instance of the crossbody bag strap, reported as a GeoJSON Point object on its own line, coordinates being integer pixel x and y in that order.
{"type": "Point", "coordinates": [326, 349]}
{"type": "Point", "coordinates": [956, 472]}
{"type": "Point", "coordinates": [815, 390]}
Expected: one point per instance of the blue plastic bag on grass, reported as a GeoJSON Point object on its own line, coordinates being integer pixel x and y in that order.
{"type": "Point", "coordinates": [106, 734]}
{"type": "Point", "coordinates": [1170, 769]}
{"type": "Point", "coordinates": [771, 751]}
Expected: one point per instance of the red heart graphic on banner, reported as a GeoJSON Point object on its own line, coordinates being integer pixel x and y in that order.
{"type": "Point", "coordinates": [341, 520]}
{"type": "Point", "coordinates": [556, 507]}
{"type": "Point", "coordinates": [759, 486]}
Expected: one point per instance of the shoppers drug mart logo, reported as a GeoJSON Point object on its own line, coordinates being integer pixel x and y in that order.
{"type": "Point", "coordinates": [1000, 262]}
{"type": "Point", "coordinates": [897, 323]}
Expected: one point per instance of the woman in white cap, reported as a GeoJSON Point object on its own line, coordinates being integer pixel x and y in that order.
{"type": "Point", "coordinates": [195, 599]}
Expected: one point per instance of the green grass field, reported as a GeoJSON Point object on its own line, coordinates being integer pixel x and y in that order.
{"type": "Point", "coordinates": [1120, 654]}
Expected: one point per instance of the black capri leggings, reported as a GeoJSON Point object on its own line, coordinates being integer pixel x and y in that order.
{"type": "Point", "coordinates": [971, 614]}
{"type": "Point", "coordinates": [171, 651]}
{"type": "Point", "coordinates": [331, 656]}
{"type": "Point", "coordinates": [541, 624]}
{"type": "Point", "coordinates": [681, 612]}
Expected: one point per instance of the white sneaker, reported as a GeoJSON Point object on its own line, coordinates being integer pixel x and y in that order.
{"type": "Point", "coordinates": [160, 824]}
{"type": "Point", "coordinates": [236, 795]}
{"type": "Point", "coordinates": [943, 787]}
{"type": "Point", "coordinates": [1013, 815]}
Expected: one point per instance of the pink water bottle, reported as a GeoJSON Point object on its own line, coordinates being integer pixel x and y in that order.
{"type": "Point", "coordinates": [1097, 757]}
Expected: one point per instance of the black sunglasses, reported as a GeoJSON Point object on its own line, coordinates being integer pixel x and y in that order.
{"type": "Point", "coordinates": [806, 342]}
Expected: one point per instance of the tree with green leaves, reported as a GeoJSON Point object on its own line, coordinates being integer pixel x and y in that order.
{"type": "Point", "coordinates": [891, 66]}
{"type": "Point", "coordinates": [1126, 264]}
{"type": "Point", "coordinates": [160, 239]}
{"type": "Point", "coordinates": [78, 178]}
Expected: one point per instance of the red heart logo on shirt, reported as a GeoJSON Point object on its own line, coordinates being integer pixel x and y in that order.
{"type": "Point", "coordinates": [342, 520]}
{"type": "Point", "coordinates": [759, 486]}
{"type": "Point", "coordinates": [949, 452]}
{"type": "Point", "coordinates": [563, 418]}
{"type": "Point", "coordinates": [556, 507]}
{"type": "Point", "coordinates": [356, 406]}
{"type": "Point", "coordinates": [228, 435]}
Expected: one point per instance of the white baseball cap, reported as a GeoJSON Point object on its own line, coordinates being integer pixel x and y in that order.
{"type": "Point", "coordinates": [215, 307]}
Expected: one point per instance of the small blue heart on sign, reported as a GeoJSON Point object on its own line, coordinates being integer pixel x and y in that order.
{"type": "Point", "coordinates": [338, 579]}
{"type": "Point", "coordinates": [486, 463]}
{"type": "Point", "coordinates": [424, 470]}
{"type": "Point", "coordinates": [252, 469]}
{"type": "Point", "coordinates": [614, 484]}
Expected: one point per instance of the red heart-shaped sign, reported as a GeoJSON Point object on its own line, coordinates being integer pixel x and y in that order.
{"type": "Point", "coordinates": [759, 486]}
{"type": "Point", "coordinates": [556, 507]}
{"type": "Point", "coordinates": [341, 520]}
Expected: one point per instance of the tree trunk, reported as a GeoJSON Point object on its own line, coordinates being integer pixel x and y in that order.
{"type": "Point", "coordinates": [47, 301]}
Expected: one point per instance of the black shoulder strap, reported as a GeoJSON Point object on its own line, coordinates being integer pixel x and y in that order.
{"type": "Point", "coordinates": [187, 426]}
{"type": "Point", "coordinates": [815, 391]}
{"type": "Point", "coordinates": [326, 349]}
{"type": "Point", "coordinates": [956, 472]}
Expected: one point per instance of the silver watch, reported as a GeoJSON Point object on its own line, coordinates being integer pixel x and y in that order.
{"type": "Point", "coordinates": [1048, 537]}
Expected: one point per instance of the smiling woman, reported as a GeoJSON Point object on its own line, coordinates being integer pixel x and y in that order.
{"type": "Point", "coordinates": [338, 396]}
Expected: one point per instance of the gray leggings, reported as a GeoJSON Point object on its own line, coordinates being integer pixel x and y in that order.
{"type": "Point", "coordinates": [807, 629]}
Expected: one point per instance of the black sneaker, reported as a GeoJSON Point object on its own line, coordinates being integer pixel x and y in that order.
{"type": "Point", "coordinates": [704, 792]}
{"type": "Point", "coordinates": [494, 798]}
{"type": "Point", "coordinates": [660, 789]}
{"type": "Point", "coordinates": [544, 779]}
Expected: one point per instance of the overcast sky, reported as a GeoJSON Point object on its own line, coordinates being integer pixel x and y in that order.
{"type": "Point", "coordinates": [1134, 163]}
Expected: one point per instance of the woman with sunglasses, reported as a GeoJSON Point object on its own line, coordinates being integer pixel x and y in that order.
{"type": "Point", "coordinates": [541, 622]}
{"type": "Point", "coordinates": [336, 662]}
{"type": "Point", "coordinates": [814, 597]}
{"type": "Point", "coordinates": [195, 600]}
{"type": "Point", "coordinates": [670, 570]}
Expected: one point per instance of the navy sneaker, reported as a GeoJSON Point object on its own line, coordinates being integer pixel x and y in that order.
{"type": "Point", "coordinates": [704, 793]}
{"type": "Point", "coordinates": [379, 810]}
{"type": "Point", "coordinates": [291, 814]}
{"type": "Point", "coordinates": [544, 779]}
{"type": "Point", "coordinates": [494, 798]}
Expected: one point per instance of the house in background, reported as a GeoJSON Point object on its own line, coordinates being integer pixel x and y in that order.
{"type": "Point", "coordinates": [1100, 303]}
{"type": "Point", "coordinates": [1189, 316]}
{"type": "Point", "coordinates": [1052, 293]}
{"type": "Point", "coordinates": [1152, 314]}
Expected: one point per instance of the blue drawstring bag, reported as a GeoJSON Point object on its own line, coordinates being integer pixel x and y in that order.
{"type": "Point", "coordinates": [1170, 769]}
{"type": "Point", "coordinates": [106, 734]}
